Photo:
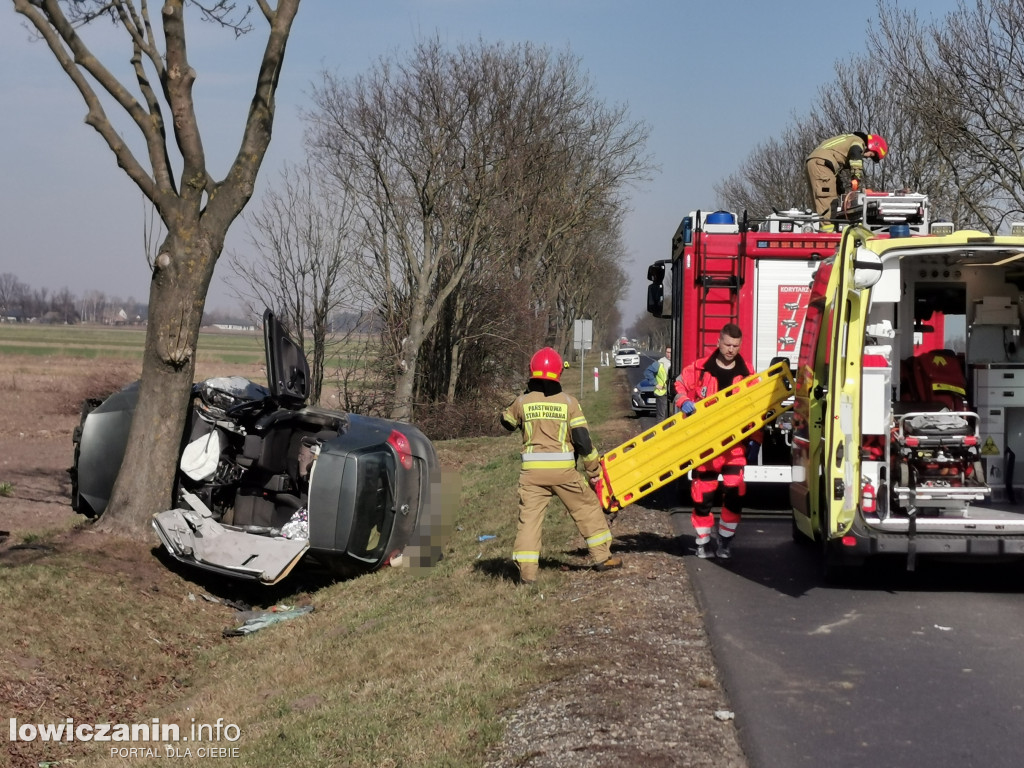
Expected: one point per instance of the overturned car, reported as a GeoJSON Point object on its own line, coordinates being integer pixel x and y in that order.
{"type": "Point", "coordinates": [264, 481]}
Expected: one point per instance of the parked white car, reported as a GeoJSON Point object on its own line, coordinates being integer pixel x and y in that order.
{"type": "Point", "coordinates": [627, 357]}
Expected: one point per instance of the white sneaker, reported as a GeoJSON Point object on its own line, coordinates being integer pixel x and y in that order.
{"type": "Point", "coordinates": [703, 553]}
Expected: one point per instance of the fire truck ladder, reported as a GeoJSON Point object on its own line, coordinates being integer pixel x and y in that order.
{"type": "Point", "coordinates": [719, 274]}
{"type": "Point", "coordinates": [669, 450]}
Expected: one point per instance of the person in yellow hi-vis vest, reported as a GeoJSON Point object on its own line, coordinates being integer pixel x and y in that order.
{"type": "Point", "coordinates": [661, 384]}
{"type": "Point", "coordinates": [833, 155]}
{"type": "Point", "coordinates": [554, 433]}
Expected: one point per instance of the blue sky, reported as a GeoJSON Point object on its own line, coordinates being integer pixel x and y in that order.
{"type": "Point", "coordinates": [712, 79]}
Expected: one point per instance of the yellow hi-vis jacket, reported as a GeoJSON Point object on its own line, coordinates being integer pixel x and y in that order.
{"type": "Point", "coordinates": [554, 432]}
{"type": "Point", "coordinates": [661, 378]}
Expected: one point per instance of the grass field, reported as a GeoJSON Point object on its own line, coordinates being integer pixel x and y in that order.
{"type": "Point", "coordinates": [98, 342]}
{"type": "Point", "coordinates": [396, 668]}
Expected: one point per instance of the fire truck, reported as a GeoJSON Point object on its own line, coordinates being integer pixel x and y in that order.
{"type": "Point", "coordinates": [891, 378]}
{"type": "Point", "coordinates": [757, 273]}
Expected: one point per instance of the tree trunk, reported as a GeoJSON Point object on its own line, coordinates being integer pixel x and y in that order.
{"type": "Point", "coordinates": [146, 482]}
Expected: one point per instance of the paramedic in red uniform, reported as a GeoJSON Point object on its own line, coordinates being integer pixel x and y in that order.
{"type": "Point", "coordinates": [554, 433]}
{"type": "Point", "coordinates": [697, 381]}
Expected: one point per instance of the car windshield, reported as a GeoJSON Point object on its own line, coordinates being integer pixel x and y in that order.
{"type": "Point", "coordinates": [627, 351]}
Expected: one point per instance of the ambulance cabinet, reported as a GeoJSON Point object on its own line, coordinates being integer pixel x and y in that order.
{"type": "Point", "coordinates": [999, 402]}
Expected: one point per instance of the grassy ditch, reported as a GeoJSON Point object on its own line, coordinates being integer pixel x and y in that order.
{"type": "Point", "coordinates": [396, 668]}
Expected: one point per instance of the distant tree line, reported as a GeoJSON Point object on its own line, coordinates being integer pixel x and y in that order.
{"type": "Point", "coordinates": [21, 303]}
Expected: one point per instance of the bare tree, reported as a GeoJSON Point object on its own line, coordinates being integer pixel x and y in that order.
{"type": "Point", "coordinates": [195, 208]}
{"type": "Point", "coordinates": [482, 162]}
{"type": "Point", "coordinates": [962, 80]}
{"type": "Point", "coordinates": [304, 243]}
{"type": "Point", "coordinates": [772, 177]}
{"type": "Point", "coordinates": [860, 97]}
{"type": "Point", "coordinates": [12, 290]}
{"type": "Point", "coordinates": [655, 331]}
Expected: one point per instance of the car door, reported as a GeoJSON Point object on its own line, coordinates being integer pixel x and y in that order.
{"type": "Point", "coordinates": [856, 269]}
{"type": "Point", "coordinates": [287, 367]}
{"type": "Point", "coordinates": [810, 402]}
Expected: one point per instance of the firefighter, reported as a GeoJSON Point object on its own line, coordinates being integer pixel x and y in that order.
{"type": "Point", "coordinates": [834, 155]}
{"type": "Point", "coordinates": [554, 433]}
{"type": "Point", "coordinates": [698, 380]}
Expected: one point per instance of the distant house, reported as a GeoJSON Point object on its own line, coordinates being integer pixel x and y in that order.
{"type": "Point", "coordinates": [233, 327]}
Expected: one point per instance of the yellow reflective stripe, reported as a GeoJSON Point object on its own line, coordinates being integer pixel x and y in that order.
{"type": "Point", "coordinates": [546, 410]}
{"type": "Point", "coordinates": [526, 556]}
{"type": "Point", "coordinates": [569, 464]}
{"type": "Point", "coordinates": [940, 387]}
{"type": "Point", "coordinates": [592, 456]}
{"type": "Point", "coordinates": [579, 421]}
{"type": "Point", "coordinates": [835, 140]}
{"type": "Point", "coordinates": [599, 538]}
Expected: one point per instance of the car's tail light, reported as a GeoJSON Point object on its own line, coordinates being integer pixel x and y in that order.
{"type": "Point", "coordinates": [400, 443]}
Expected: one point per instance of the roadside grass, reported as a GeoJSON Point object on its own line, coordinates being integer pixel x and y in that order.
{"type": "Point", "coordinates": [395, 668]}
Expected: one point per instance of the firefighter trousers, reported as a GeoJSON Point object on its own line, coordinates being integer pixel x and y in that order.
{"type": "Point", "coordinates": [536, 487]}
{"type": "Point", "coordinates": [822, 180]}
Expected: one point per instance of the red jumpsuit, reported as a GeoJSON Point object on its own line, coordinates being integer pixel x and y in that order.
{"type": "Point", "coordinates": [696, 383]}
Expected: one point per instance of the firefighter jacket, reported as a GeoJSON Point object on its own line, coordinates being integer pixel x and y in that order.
{"type": "Point", "coordinates": [695, 383]}
{"type": "Point", "coordinates": [554, 429]}
{"type": "Point", "coordinates": [839, 152]}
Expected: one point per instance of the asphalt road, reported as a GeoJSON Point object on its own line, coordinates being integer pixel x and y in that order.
{"type": "Point", "coordinates": [891, 669]}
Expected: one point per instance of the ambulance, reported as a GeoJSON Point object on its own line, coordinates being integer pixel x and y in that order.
{"type": "Point", "coordinates": [909, 405]}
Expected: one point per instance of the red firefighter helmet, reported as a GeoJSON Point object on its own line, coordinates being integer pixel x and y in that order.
{"type": "Point", "coordinates": [877, 145]}
{"type": "Point", "coordinates": [546, 364]}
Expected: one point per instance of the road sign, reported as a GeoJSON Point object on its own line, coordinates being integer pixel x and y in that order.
{"type": "Point", "coordinates": [583, 335]}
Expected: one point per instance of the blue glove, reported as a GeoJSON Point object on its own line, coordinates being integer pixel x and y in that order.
{"type": "Point", "coordinates": [688, 407]}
